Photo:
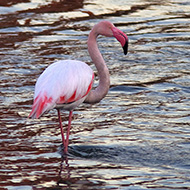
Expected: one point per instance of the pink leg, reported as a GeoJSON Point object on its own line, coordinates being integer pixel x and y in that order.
{"type": "Point", "coordinates": [68, 132]}
{"type": "Point", "coordinates": [61, 127]}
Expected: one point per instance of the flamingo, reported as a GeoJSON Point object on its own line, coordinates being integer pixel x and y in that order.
{"type": "Point", "coordinates": [67, 83]}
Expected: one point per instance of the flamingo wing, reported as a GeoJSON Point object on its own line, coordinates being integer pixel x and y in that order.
{"type": "Point", "coordinates": [61, 83]}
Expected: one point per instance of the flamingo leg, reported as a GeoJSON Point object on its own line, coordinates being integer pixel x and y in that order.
{"type": "Point", "coordinates": [68, 132]}
{"type": "Point", "coordinates": [61, 127]}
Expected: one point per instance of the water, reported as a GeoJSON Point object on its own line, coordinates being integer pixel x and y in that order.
{"type": "Point", "coordinates": [138, 137]}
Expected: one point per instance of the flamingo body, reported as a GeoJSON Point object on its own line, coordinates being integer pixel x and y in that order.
{"type": "Point", "coordinates": [64, 84]}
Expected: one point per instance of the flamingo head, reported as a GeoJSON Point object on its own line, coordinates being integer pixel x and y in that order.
{"type": "Point", "coordinates": [106, 28]}
{"type": "Point", "coordinates": [121, 37]}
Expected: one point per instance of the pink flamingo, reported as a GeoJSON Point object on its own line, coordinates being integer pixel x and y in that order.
{"type": "Point", "coordinates": [67, 83]}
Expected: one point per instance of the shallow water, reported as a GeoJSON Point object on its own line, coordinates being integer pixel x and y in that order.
{"type": "Point", "coordinates": [137, 137]}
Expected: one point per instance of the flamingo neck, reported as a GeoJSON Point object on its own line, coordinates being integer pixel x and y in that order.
{"type": "Point", "coordinates": [103, 72]}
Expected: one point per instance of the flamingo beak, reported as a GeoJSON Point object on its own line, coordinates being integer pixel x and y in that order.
{"type": "Point", "coordinates": [122, 38]}
{"type": "Point", "coordinates": [125, 47]}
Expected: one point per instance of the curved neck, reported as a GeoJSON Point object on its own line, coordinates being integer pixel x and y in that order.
{"type": "Point", "coordinates": [103, 72]}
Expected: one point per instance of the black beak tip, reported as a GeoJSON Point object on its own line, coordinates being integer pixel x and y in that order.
{"type": "Point", "coordinates": [125, 48]}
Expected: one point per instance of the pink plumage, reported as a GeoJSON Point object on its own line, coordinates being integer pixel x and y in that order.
{"type": "Point", "coordinates": [62, 83]}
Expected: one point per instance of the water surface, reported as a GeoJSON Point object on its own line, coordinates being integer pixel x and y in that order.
{"type": "Point", "coordinates": [137, 137]}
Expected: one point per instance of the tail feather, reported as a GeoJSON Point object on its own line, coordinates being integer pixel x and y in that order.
{"type": "Point", "coordinates": [41, 104]}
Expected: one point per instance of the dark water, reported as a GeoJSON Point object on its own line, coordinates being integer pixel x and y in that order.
{"type": "Point", "coordinates": [138, 137]}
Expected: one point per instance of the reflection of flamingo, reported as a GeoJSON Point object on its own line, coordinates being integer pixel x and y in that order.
{"type": "Point", "coordinates": [64, 166]}
{"type": "Point", "coordinates": [66, 84]}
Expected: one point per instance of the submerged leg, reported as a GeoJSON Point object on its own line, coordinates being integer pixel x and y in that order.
{"type": "Point", "coordinates": [61, 127]}
{"type": "Point", "coordinates": [68, 132]}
